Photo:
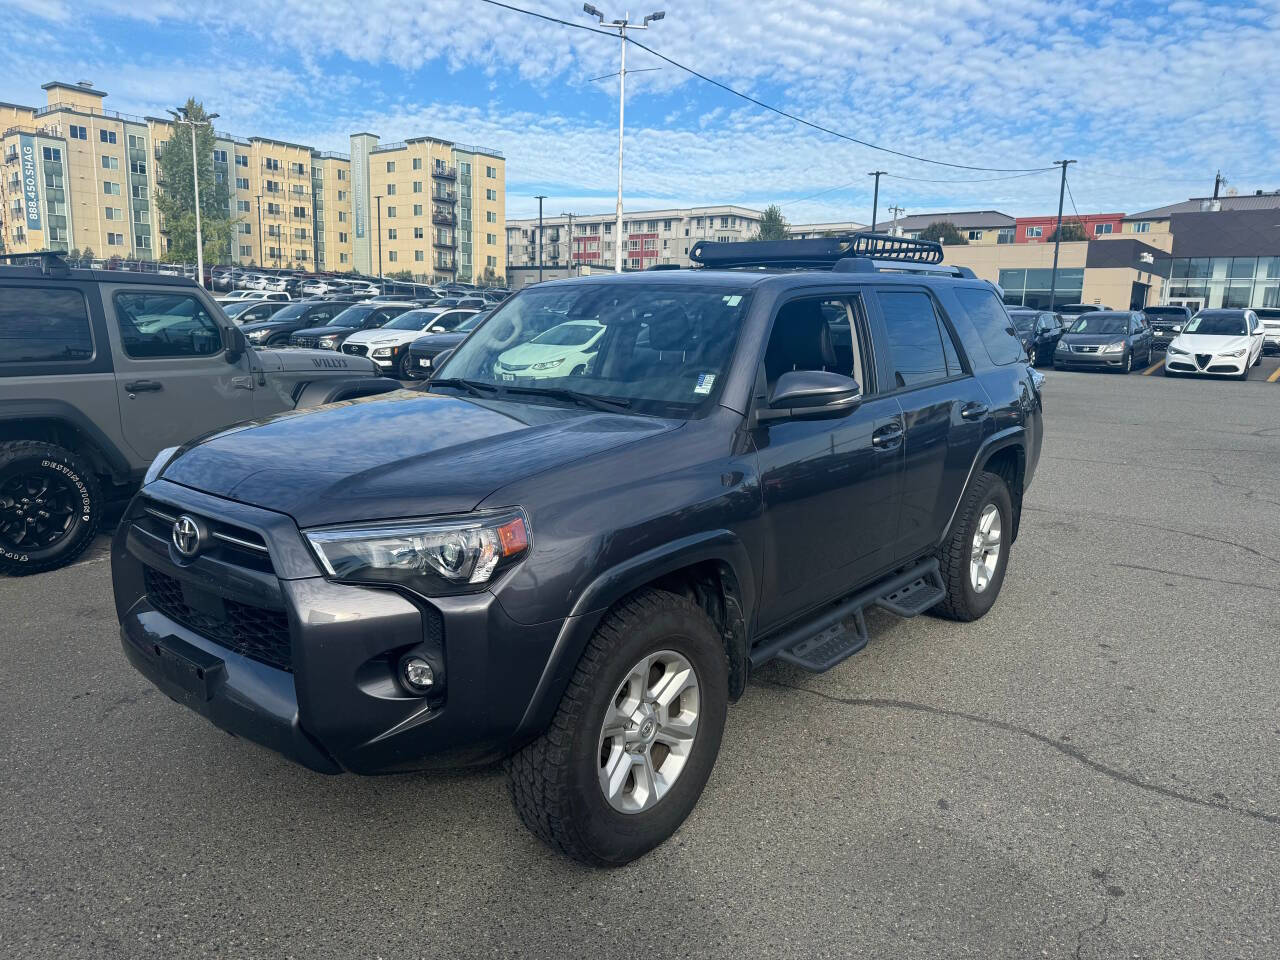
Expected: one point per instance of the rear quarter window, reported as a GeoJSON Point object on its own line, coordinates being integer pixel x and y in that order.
{"type": "Point", "coordinates": [43, 325]}
{"type": "Point", "coordinates": [994, 326]}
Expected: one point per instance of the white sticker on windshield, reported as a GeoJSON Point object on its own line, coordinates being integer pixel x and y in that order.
{"type": "Point", "coordinates": [732, 301]}
{"type": "Point", "coordinates": [705, 382]}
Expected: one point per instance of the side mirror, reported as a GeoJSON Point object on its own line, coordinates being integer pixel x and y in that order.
{"type": "Point", "coordinates": [234, 343]}
{"type": "Point", "coordinates": [439, 361]}
{"type": "Point", "coordinates": [1178, 328]}
{"type": "Point", "coordinates": [812, 392]}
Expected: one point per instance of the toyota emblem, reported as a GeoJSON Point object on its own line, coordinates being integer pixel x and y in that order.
{"type": "Point", "coordinates": [187, 536]}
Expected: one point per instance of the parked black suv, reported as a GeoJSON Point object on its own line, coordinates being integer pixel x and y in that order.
{"type": "Point", "coordinates": [360, 316]}
{"type": "Point", "coordinates": [577, 565]}
{"type": "Point", "coordinates": [290, 319]}
{"type": "Point", "coordinates": [1039, 331]}
{"type": "Point", "coordinates": [1165, 323]}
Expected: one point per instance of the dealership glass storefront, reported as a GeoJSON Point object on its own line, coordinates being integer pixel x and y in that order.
{"type": "Point", "coordinates": [1227, 281]}
{"type": "Point", "coordinates": [1030, 288]}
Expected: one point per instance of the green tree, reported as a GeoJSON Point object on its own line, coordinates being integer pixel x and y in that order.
{"type": "Point", "coordinates": [176, 198]}
{"type": "Point", "coordinates": [1071, 230]}
{"type": "Point", "coordinates": [773, 225]}
{"type": "Point", "coordinates": [86, 253]}
{"type": "Point", "coordinates": [945, 232]}
{"type": "Point", "coordinates": [74, 254]}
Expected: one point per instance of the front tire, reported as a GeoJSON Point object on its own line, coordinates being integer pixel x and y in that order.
{"type": "Point", "coordinates": [619, 769]}
{"type": "Point", "coordinates": [50, 507]}
{"type": "Point", "coordinates": [973, 560]}
{"type": "Point", "coordinates": [1128, 362]}
{"type": "Point", "coordinates": [406, 367]}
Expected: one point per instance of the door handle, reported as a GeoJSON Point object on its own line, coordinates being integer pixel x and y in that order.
{"type": "Point", "coordinates": [973, 411]}
{"type": "Point", "coordinates": [887, 437]}
{"type": "Point", "coordinates": [143, 386]}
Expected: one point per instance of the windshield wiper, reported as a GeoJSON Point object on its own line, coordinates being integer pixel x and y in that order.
{"type": "Point", "coordinates": [608, 404]}
{"type": "Point", "coordinates": [476, 388]}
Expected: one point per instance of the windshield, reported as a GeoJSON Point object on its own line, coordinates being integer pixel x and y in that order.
{"type": "Point", "coordinates": [1216, 325]}
{"type": "Point", "coordinates": [239, 307]}
{"type": "Point", "coordinates": [1101, 323]}
{"type": "Point", "coordinates": [351, 317]}
{"type": "Point", "coordinates": [412, 320]}
{"type": "Point", "coordinates": [1179, 312]}
{"type": "Point", "coordinates": [1023, 321]}
{"type": "Point", "coordinates": [662, 347]}
{"type": "Point", "coordinates": [471, 322]}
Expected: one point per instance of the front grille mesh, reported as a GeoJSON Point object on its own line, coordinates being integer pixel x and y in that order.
{"type": "Point", "coordinates": [254, 632]}
{"type": "Point", "coordinates": [358, 349]}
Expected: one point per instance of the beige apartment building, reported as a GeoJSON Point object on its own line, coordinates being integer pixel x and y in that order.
{"type": "Point", "coordinates": [76, 176]}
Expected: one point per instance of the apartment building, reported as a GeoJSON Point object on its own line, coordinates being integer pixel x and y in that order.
{"type": "Point", "coordinates": [651, 236]}
{"type": "Point", "coordinates": [976, 226]}
{"type": "Point", "coordinates": [75, 175]}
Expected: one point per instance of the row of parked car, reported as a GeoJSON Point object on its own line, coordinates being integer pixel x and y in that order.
{"type": "Point", "coordinates": [1215, 342]}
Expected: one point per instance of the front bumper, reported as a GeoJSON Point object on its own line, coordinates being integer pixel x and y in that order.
{"type": "Point", "coordinates": [332, 701]}
{"type": "Point", "coordinates": [1206, 364]}
{"type": "Point", "coordinates": [1094, 361]}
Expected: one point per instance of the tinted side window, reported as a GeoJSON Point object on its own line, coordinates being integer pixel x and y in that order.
{"type": "Point", "coordinates": [916, 339]}
{"type": "Point", "coordinates": [156, 325]}
{"type": "Point", "coordinates": [989, 316]}
{"type": "Point", "coordinates": [39, 325]}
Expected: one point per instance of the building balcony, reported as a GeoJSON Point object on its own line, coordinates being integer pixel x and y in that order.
{"type": "Point", "coordinates": [447, 244]}
{"type": "Point", "coordinates": [448, 266]}
{"type": "Point", "coordinates": [442, 172]}
{"type": "Point", "coordinates": [444, 196]}
{"type": "Point", "coordinates": [445, 219]}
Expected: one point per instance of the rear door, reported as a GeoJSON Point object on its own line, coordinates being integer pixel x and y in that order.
{"type": "Point", "coordinates": [172, 375]}
{"type": "Point", "coordinates": [945, 411]}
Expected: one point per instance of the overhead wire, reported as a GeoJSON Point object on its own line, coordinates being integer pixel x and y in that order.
{"type": "Point", "coordinates": [762, 104]}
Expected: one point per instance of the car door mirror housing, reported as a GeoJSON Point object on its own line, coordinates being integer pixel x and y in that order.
{"type": "Point", "coordinates": [812, 393]}
{"type": "Point", "coordinates": [439, 361]}
{"type": "Point", "coordinates": [234, 343]}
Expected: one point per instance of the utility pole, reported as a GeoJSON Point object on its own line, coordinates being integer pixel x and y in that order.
{"type": "Point", "coordinates": [621, 26]}
{"type": "Point", "coordinates": [181, 116]}
{"type": "Point", "coordinates": [572, 259]}
{"type": "Point", "coordinates": [1057, 233]}
{"type": "Point", "coordinates": [262, 250]}
{"type": "Point", "coordinates": [541, 197]}
{"type": "Point", "coordinates": [381, 282]}
{"type": "Point", "coordinates": [1219, 181]}
{"type": "Point", "coordinates": [895, 210]}
{"type": "Point", "coordinates": [875, 198]}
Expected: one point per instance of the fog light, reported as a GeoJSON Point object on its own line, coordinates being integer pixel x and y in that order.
{"type": "Point", "coordinates": [418, 675]}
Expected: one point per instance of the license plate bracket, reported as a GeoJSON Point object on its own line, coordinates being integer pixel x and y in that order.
{"type": "Point", "coordinates": [195, 671]}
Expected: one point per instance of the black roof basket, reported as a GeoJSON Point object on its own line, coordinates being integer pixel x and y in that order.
{"type": "Point", "coordinates": [815, 252]}
{"type": "Point", "coordinates": [51, 262]}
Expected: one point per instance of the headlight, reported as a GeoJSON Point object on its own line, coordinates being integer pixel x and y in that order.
{"type": "Point", "coordinates": [1176, 351]}
{"type": "Point", "coordinates": [382, 352]}
{"type": "Point", "coordinates": [1062, 348]}
{"type": "Point", "coordinates": [548, 364]}
{"type": "Point", "coordinates": [257, 336]}
{"type": "Point", "coordinates": [1113, 348]}
{"type": "Point", "coordinates": [437, 557]}
{"type": "Point", "coordinates": [328, 343]}
{"type": "Point", "coordinates": [158, 464]}
{"type": "Point", "coordinates": [1233, 353]}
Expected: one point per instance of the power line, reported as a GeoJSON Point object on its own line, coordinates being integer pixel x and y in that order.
{"type": "Point", "coordinates": [1017, 176]}
{"type": "Point", "coordinates": [766, 106]}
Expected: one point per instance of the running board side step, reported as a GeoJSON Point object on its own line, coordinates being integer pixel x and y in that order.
{"type": "Point", "coordinates": [821, 643]}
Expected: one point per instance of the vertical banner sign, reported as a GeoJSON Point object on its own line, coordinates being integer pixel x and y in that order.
{"type": "Point", "coordinates": [30, 181]}
{"type": "Point", "coordinates": [359, 184]}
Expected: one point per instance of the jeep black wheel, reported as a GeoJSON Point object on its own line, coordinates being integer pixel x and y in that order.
{"type": "Point", "coordinates": [49, 507]}
{"type": "Point", "coordinates": [974, 558]}
{"type": "Point", "coordinates": [636, 735]}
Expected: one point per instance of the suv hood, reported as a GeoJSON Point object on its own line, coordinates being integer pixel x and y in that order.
{"type": "Point", "coordinates": [299, 360]}
{"type": "Point", "coordinates": [1093, 339]}
{"type": "Point", "coordinates": [1210, 343]}
{"type": "Point", "coordinates": [434, 343]}
{"type": "Point", "coordinates": [400, 454]}
{"type": "Point", "coordinates": [325, 331]}
{"type": "Point", "coordinates": [379, 337]}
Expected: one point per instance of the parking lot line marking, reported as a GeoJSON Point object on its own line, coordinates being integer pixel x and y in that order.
{"type": "Point", "coordinates": [1153, 368]}
{"type": "Point", "coordinates": [1274, 377]}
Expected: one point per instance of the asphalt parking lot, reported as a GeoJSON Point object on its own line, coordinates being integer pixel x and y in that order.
{"type": "Point", "coordinates": [1091, 771]}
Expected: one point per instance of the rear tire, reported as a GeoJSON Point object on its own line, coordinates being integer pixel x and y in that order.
{"type": "Point", "coordinates": [971, 575]}
{"type": "Point", "coordinates": [50, 507]}
{"type": "Point", "coordinates": [556, 781]}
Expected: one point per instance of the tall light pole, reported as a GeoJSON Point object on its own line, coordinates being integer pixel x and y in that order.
{"type": "Point", "coordinates": [262, 250]}
{"type": "Point", "coordinates": [382, 283]}
{"type": "Point", "coordinates": [875, 199]}
{"type": "Point", "coordinates": [183, 116]}
{"type": "Point", "coordinates": [621, 26]}
{"type": "Point", "coordinates": [540, 197]}
{"type": "Point", "coordinates": [571, 242]}
{"type": "Point", "coordinates": [1057, 233]}
{"type": "Point", "coordinates": [895, 210]}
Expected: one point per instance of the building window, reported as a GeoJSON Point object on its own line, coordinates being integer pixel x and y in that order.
{"type": "Point", "coordinates": [417, 186]}
{"type": "Point", "coordinates": [109, 163]}
{"type": "Point", "coordinates": [491, 194]}
{"type": "Point", "coordinates": [975, 234]}
{"type": "Point", "coordinates": [391, 234]}
{"type": "Point", "coordinates": [391, 213]}
{"type": "Point", "coordinates": [52, 153]}
{"type": "Point", "coordinates": [391, 255]}
{"type": "Point", "coordinates": [490, 261]}
{"type": "Point", "coordinates": [417, 209]}
{"type": "Point", "coordinates": [1101, 229]}
{"type": "Point", "coordinates": [242, 206]}
{"type": "Point", "coordinates": [142, 241]}
{"type": "Point", "coordinates": [342, 258]}
{"type": "Point", "coordinates": [245, 228]}
{"type": "Point", "coordinates": [79, 133]}
{"type": "Point", "coordinates": [342, 195]}
{"type": "Point", "coordinates": [272, 186]}
{"type": "Point", "coordinates": [391, 166]}
{"type": "Point", "coordinates": [391, 189]}
{"type": "Point", "coordinates": [300, 212]}
{"type": "Point", "coordinates": [110, 189]}
{"type": "Point", "coordinates": [417, 233]}
{"type": "Point", "coordinates": [491, 238]}
{"type": "Point", "coordinates": [107, 136]}
{"type": "Point", "coordinates": [1142, 226]}
{"type": "Point", "coordinates": [1035, 232]}
{"type": "Point", "coordinates": [417, 255]}
{"type": "Point", "coordinates": [342, 237]}
{"type": "Point", "coordinates": [246, 250]}
{"type": "Point", "coordinates": [342, 174]}
{"type": "Point", "coordinates": [299, 169]}
{"type": "Point", "coordinates": [115, 239]}
{"type": "Point", "coordinates": [242, 160]}
{"type": "Point", "coordinates": [491, 217]}
{"type": "Point", "coordinates": [242, 183]}
{"type": "Point", "coordinates": [491, 172]}
{"type": "Point", "coordinates": [417, 163]}
{"type": "Point", "coordinates": [342, 216]}
{"type": "Point", "coordinates": [271, 163]}
{"type": "Point", "coordinates": [219, 156]}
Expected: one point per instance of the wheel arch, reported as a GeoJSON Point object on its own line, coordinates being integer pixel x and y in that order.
{"type": "Point", "coordinates": [712, 569]}
{"type": "Point", "coordinates": [1005, 454]}
{"type": "Point", "coordinates": [60, 423]}
{"type": "Point", "coordinates": [316, 393]}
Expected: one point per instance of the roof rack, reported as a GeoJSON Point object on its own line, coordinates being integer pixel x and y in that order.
{"type": "Point", "coordinates": [815, 252]}
{"type": "Point", "coordinates": [50, 261]}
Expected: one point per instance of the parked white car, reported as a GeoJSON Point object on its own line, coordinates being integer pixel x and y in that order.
{"type": "Point", "coordinates": [388, 345]}
{"type": "Point", "coordinates": [566, 348]}
{"type": "Point", "coordinates": [1269, 317]}
{"type": "Point", "coordinates": [1221, 343]}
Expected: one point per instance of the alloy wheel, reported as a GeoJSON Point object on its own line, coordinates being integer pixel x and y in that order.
{"type": "Point", "coordinates": [986, 548]}
{"type": "Point", "coordinates": [648, 731]}
{"type": "Point", "coordinates": [36, 510]}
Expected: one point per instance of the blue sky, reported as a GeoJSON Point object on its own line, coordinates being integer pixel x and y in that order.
{"type": "Point", "coordinates": [1150, 98]}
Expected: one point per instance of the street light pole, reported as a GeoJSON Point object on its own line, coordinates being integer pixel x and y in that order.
{"type": "Point", "coordinates": [895, 210]}
{"type": "Point", "coordinates": [1057, 233]}
{"type": "Point", "coordinates": [572, 258]}
{"type": "Point", "coordinates": [183, 116]}
{"type": "Point", "coordinates": [875, 199]}
{"type": "Point", "coordinates": [381, 282]}
{"type": "Point", "coordinates": [621, 26]}
{"type": "Point", "coordinates": [541, 197]}
{"type": "Point", "coordinates": [262, 250]}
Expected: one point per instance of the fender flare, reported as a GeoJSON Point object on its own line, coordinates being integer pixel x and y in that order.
{"type": "Point", "coordinates": [721, 546]}
{"type": "Point", "coordinates": [60, 411]}
{"type": "Point", "coordinates": [320, 392]}
{"type": "Point", "coordinates": [1015, 436]}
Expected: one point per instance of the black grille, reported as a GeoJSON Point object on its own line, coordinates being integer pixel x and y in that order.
{"type": "Point", "coordinates": [304, 341]}
{"type": "Point", "coordinates": [254, 632]}
{"type": "Point", "coordinates": [359, 349]}
{"type": "Point", "coordinates": [1203, 358]}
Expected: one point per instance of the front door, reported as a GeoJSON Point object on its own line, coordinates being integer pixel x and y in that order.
{"type": "Point", "coordinates": [172, 374]}
{"type": "Point", "coordinates": [830, 486]}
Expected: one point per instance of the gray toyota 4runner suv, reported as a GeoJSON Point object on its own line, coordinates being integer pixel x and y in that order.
{"type": "Point", "coordinates": [100, 370]}
{"type": "Point", "coordinates": [618, 497]}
